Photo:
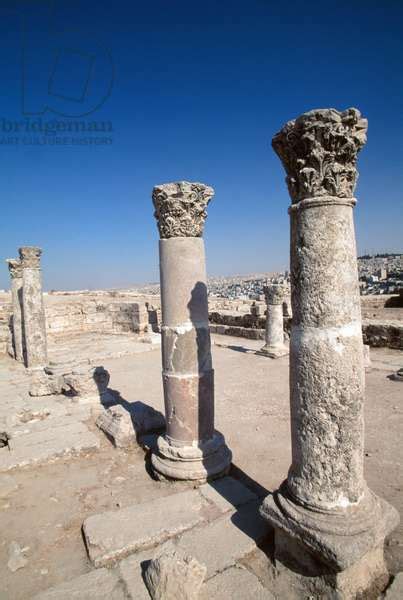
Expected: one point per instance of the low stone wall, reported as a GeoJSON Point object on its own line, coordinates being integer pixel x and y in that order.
{"type": "Point", "coordinates": [5, 334]}
{"type": "Point", "coordinates": [388, 334]}
{"type": "Point", "coordinates": [376, 333]}
{"type": "Point", "coordinates": [94, 316]}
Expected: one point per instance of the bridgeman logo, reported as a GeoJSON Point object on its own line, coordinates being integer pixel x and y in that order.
{"type": "Point", "coordinates": [65, 73]}
{"type": "Point", "coordinates": [55, 132]}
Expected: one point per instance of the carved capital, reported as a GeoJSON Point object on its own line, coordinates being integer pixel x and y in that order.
{"type": "Point", "coordinates": [14, 267]}
{"type": "Point", "coordinates": [30, 257]}
{"type": "Point", "coordinates": [319, 152]}
{"type": "Point", "coordinates": [276, 293]}
{"type": "Point", "coordinates": [180, 208]}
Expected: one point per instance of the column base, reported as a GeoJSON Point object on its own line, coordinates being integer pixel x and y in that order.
{"type": "Point", "coordinates": [209, 460]}
{"type": "Point", "coordinates": [273, 352]}
{"type": "Point", "coordinates": [297, 574]}
{"type": "Point", "coordinates": [336, 539]}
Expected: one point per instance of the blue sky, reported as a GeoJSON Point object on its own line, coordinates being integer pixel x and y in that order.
{"type": "Point", "coordinates": [193, 91]}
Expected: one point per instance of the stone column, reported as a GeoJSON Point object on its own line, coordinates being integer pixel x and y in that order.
{"type": "Point", "coordinates": [15, 268]}
{"type": "Point", "coordinates": [325, 504]}
{"type": "Point", "coordinates": [191, 448]}
{"type": "Point", "coordinates": [275, 295]}
{"type": "Point", "coordinates": [34, 312]}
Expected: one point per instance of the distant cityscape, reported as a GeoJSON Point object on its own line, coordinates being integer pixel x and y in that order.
{"type": "Point", "coordinates": [378, 274]}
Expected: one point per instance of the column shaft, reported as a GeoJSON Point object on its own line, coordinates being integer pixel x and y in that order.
{"type": "Point", "coordinates": [191, 448]}
{"type": "Point", "coordinates": [15, 269]}
{"type": "Point", "coordinates": [34, 311]}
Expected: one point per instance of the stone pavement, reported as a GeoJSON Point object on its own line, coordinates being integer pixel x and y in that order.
{"type": "Point", "coordinates": [43, 508]}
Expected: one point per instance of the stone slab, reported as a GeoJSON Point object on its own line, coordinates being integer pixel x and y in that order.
{"type": "Point", "coordinates": [219, 544]}
{"type": "Point", "coordinates": [395, 590]}
{"type": "Point", "coordinates": [101, 584]}
{"type": "Point", "coordinates": [116, 534]}
{"type": "Point", "coordinates": [235, 584]}
{"type": "Point", "coordinates": [227, 493]}
{"type": "Point", "coordinates": [130, 570]}
{"type": "Point", "coordinates": [8, 485]}
{"type": "Point", "coordinates": [47, 445]}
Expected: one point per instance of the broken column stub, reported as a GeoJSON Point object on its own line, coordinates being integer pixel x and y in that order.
{"type": "Point", "coordinates": [325, 503]}
{"type": "Point", "coordinates": [191, 448]}
{"type": "Point", "coordinates": [34, 312]}
{"type": "Point", "coordinates": [275, 295]}
{"type": "Point", "coordinates": [15, 269]}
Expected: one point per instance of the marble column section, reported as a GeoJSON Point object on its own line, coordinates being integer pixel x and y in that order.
{"type": "Point", "coordinates": [191, 448]}
{"type": "Point", "coordinates": [275, 295]}
{"type": "Point", "coordinates": [34, 312]}
{"type": "Point", "coordinates": [325, 503]}
{"type": "Point", "coordinates": [15, 269]}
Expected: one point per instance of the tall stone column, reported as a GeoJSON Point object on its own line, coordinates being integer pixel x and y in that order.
{"type": "Point", "coordinates": [325, 504]}
{"type": "Point", "coordinates": [15, 269]}
{"type": "Point", "coordinates": [34, 312]}
{"type": "Point", "coordinates": [274, 347]}
{"type": "Point", "coordinates": [191, 448]}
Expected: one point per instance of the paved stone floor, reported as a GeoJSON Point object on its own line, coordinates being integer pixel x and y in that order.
{"type": "Point", "coordinates": [78, 474]}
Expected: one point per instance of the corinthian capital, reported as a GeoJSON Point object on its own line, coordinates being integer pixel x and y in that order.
{"type": "Point", "coordinates": [276, 293]}
{"type": "Point", "coordinates": [180, 208]}
{"type": "Point", "coordinates": [14, 267]}
{"type": "Point", "coordinates": [319, 152]}
{"type": "Point", "coordinates": [30, 257]}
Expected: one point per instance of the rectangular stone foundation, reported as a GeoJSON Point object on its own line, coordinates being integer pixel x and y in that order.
{"type": "Point", "coordinates": [299, 574]}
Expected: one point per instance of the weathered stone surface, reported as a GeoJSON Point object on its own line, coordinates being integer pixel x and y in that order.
{"type": "Point", "coordinates": [101, 584]}
{"type": "Point", "coordinates": [235, 583]}
{"type": "Point", "coordinates": [131, 571]}
{"type": "Point", "coordinates": [275, 295]}
{"type": "Point", "coordinates": [367, 356]}
{"type": "Point", "coordinates": [180, 208]}
{"type": "Point", "coordinates": [190, 448]}
{"type": "Point", "coordinates": [15, 268]}
{"type": "Point", "coordinates": [46, 445]}
{"type": "Point", "coordinates": [222, 542]}
{"type": "Point", "coordinates": [43, 384]}
{"type": "Point", "coordinates": [325, 503]}
{"type": "Point", "coordinates": [227, 493]}
{"type": "Point", "coordinates": [114, 535]}
{"type": "Point", "coordinates": [319, 152]}
{"type": "Point", "coordinates": [173, 575]}
{"type": "Point", "coordinates": [87, 382]}
{"type": "Point", "coordinates": [8, 485]}
{"type": "Point", "coordinates": [124, 423]}
{"type": "Point", "coordinates": [16, 558]}
{"type": "Point", "coordinates": [395, 590]}
{"type": "Point", "coordinates": [33, 307]}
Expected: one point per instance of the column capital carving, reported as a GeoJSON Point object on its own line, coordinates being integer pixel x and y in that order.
{"type": "Point", "coordinates": [14, 267]}
{"type": "Point", "coordinates": [319, 152]}
{"type": "Point", "coordinates": [30, 257]}
{"type": "Point", "coordinates": [275, 293]}
{"type": "Point", "coordinates": [180, 208]}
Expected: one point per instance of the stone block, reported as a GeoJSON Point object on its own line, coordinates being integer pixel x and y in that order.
{"type": "Point", "coordinates": [221, 543]}
{"type": "Point", "coordinates": [124, 423]}
{"type": "Point", "coordinates": [113, 535]}
{"type": "Point", "coordinates": [172, 575]}
{"type": "Point", "coordinates": [227, 493]}
{"type": "Point", "coordinates": [101, 584]}
{"type": "Point", "coordinates": [395, 590]}
{"type": "Point", "coordinates": [235, 583]}
{"type": "Point", "coordinates": [47, 445]}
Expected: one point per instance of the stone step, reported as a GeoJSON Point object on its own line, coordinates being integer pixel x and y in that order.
{"type": "Point", "coordinates": [102, 584]}
{"type": "Point", "coordinates": [47, 445]}
{"type": "Point", "coordinates": [235, 584]}
{"type": "Point", "coordinates": [113, 535]}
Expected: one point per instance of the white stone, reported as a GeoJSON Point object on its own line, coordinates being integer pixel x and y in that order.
{"type": "Point", "coordinates": [172, 575]}
{"type": "Point", "coordinates": [113, 535]}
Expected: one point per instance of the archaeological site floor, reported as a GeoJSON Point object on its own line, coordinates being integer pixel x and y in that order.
{"type": "Point", "coordinates": [44, 504]}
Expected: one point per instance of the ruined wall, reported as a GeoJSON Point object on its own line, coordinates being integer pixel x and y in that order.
{"type": "Point", "coordinates": [5, 333]}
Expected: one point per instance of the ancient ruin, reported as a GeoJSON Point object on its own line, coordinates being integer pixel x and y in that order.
{"type": "Point", "coordinates": [275, 295]}
{"type": "Point", "coordinates": [191, 448]}
{"type": "Point", "coordinates": [324, 508]}
{"type": "Point", "coordinates": [15, 268]}
{"type": "Point", "coordinates": [115, 485]}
